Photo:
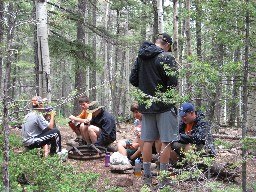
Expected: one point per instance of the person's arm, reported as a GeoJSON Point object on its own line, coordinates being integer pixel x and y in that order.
{"type": "Point", "coordinates": [82, 118]}
{"type": "Point", "coordinates": [51, 124]}
{"type": "Point", "coordinates": [136, 154]}
{"type": "Point", "coordinates": [134, 76]}
{"type": "Point", "coordinates": [168, 69]}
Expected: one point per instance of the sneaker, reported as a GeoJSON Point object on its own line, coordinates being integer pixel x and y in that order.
{"type": "Point", "coordinates": [63, 155]}
{"type": "Point", "coordinates": [147, 180]}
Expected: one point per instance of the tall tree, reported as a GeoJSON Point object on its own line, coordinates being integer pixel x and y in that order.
{"type": "Point", "coordinates": [160, 16]}
{"type": "Point", "coordinates": [43, 50]}
{"type": "Point", "coordinates": [1, 42]}
{"type": "Point", "coordinates": [175, 30]}
{"type": "Point", "coordinates": [245, 94]}
{"type": "Point", "coordinates": [80, 69]}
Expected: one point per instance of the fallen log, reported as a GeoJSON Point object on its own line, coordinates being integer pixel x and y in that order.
{"type": "Point", "coordinates": [234, 137]}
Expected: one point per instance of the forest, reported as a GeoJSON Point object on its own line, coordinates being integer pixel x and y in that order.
{"type": "Point", "coordinates": [63, 49]}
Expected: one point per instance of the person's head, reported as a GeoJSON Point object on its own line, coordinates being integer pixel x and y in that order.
{"type": "Point", "coordinates": [37, 102]}
{"type": "Point", "coordinates": [164, 41]}
{"type": "Point", "coordinates": [135, 110]}
{"type": "Point", "coordinates": [187, 113]}
{"type": "Point", "coordinates": [84, 102]}
{"type": "Point", "coordinates": [94, 108]}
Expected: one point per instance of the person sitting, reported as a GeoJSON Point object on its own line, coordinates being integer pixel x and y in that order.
{"type": "Point", "coordinates": [101, 130]}
{"type": "Point", "coordinates": [128, 147]}
{"type": "Point", "coordinates": [37, 131]}
{"type": "Point", "coordinates": [192, 131]}
{"type": "Point", "coordinates": [132, 148]}
{"type": "Point", "coordinates": [78, 122]}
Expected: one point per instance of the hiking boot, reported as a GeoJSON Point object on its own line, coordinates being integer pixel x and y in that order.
{"type": "Point", "coordinates": [165, 183]}
{"type": "Point", "coordinates": [147, 180]}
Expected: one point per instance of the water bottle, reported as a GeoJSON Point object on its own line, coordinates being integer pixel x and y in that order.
{"type": "Point", "coordinates": [137, 168]}
{"type": "Point", "coordinates": [107, 159]}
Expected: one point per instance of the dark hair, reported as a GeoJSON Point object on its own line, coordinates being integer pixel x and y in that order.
{"type": "Point", "coordinates": [134, 107]}
{"type": "Point", "coordinates": [83, 99]}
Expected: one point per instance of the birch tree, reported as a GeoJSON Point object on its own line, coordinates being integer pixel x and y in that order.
{"type": "Point", "coordinates": [160, 16]}
{"type": "Point", "coordinates": [175, 30]}
{"type": "Point", "coordinates": [43, 50]}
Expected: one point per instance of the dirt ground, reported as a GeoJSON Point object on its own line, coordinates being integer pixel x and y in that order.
{"type": "Point", "coordinates": [109, 180]}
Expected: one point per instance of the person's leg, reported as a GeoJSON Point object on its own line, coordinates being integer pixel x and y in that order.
{"type": "Point", "coordinates": [74, 128]}
{"type": "Point", "coordinates": [93, 133]}
{"type": "Point", "coordinates": [158, 145]}
{"type": "Point", "coordinates": [168, 129]}
{"type": "Point", "coordinates": [51, 136]}
{"type": "Point", "coordinates": [84, 133]}
{"type": "Point", "coordinates": [149, 134]}
{"type": "Point", "coordinates": [121, 147]}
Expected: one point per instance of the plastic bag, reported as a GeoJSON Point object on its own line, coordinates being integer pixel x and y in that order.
{"type": "Point", "coordinates": [118, 159]}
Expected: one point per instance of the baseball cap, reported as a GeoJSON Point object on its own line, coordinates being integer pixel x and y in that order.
{"type": "Point", "coordinates": [185, 108]}
{"type": "Point", "coordinates": [167, 38]}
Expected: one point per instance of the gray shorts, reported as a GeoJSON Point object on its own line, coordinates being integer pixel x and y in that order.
{"type": "Point", "coordinates": [163, 126]}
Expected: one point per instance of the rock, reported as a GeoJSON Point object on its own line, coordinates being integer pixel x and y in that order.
{"type": "Point", "coordinates": [124, 180]}
{"type": "Point", "coordinates": [120, 167]}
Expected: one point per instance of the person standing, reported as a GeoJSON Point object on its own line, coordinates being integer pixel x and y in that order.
{"type": "Point", "coordinates": [153, 72]}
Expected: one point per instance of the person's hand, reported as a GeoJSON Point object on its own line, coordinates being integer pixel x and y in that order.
{"type": "Point", "coordinates": [71, 117]}
{"type": "Point", "coordinates": [134, 145]}
{"type": "Point", "coordinates": [86, 121]}
{"type": "Point", "coordinates": [53, 113]}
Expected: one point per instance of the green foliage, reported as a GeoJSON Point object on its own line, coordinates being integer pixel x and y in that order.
{"type": "Point", "coordinates": [115, 189]}
{"type": "Point", "coordinates": [252, 185]}
{"type": "Point", "coordinates": [218, 187]}
{"type": "Point", "coordinates": [145, 189]}
{"type": "Point", "coordinates": [248, 143]}
{"type": "Point", "coordinates": [44, 174]}
{"type": "Point", "coordinates": [225, 144]}
{"type": "Point", "coordinates": [194, 162]}
{"type": "Point", "coordinates": [170, 96]}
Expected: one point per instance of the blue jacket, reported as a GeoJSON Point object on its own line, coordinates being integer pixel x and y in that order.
{"type": "Point", "coordinates": [151, 73]}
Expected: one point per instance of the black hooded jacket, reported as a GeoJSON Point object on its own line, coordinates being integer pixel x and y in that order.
{"type": "Point", "coordinates": [149, 75]}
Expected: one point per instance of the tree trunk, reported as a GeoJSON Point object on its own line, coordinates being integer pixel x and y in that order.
{"type": "Point", "coordinates": [43, 50]}
{"type": "Point", "coordinates": [175, 30]}
{"type": "Point", "coordinates": [198, 6]}
{"type": "Point", "coordinates": [160, 16]}
{"type": "Point", "coordinates": [80, 70]}
{"type": "Point", "coordinates": [187, 28]}
{"type": "Point", "coordinates": [245, 97]}
{"type": "Point", "coordinates": [1, 42]}
{"type": "Point", "coordinates": [234, 112]}
{"type": "Point", "coordinates": [93, 79]}
{"type": "Point", "coordinates": [155, 24]}
{"type": "Point", "coordinates": [36, 60]}
{"type": "Point", "coordinates": [6, 99]}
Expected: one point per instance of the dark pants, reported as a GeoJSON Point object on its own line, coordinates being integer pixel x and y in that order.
{"type": "Point", "coordinates": [51, 137]}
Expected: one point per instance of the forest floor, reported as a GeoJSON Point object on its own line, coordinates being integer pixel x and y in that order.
{"type": "Point", "coordinates": [109, 180]}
